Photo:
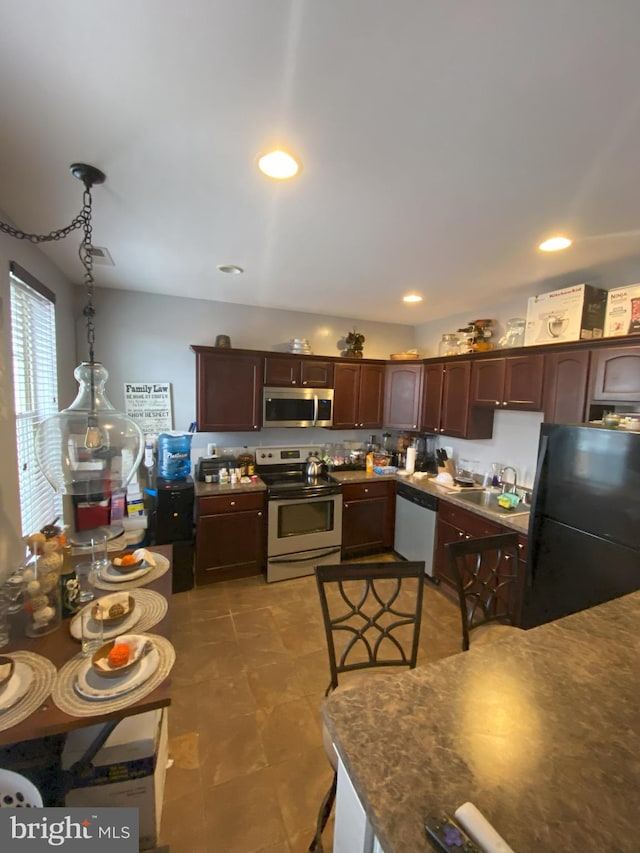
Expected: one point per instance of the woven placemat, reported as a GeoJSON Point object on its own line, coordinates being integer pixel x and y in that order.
{"type": "Point", "coordinates": [161, 566]}
{"type": "Point", "coordinates": [153, 607]}
{"type": "Point", "coordinates": [66, 698]}
{"type": "Point", "coordinates": [44, 676]}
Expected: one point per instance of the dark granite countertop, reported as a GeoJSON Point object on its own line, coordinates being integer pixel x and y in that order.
{"type": "Point", "coordinates": [540, 731]}
{"type": "Point", "coordinates": [207, 490]}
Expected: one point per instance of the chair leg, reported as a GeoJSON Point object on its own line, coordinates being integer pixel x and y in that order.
{"type": "Point", "coordinates": [323, 816]}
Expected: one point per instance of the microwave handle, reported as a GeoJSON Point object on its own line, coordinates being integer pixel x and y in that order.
{"type": "Point", "coordinates": [315, 409]}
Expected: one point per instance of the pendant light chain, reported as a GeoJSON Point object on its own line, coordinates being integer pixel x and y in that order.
{"type": "Point", "coordinates": [60, 234]}
{"type": "Point", "coordinates": [86, 258]}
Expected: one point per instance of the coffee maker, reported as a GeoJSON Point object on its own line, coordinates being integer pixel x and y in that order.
{"type": "Point", "coordinates": [426, 453]}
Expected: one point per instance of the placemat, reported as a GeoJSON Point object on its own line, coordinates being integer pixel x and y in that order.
{"type": "Point", "coordinates": [68, 700]}
{"type": "Point", "coordinates": [44, 676]}
{"type": "Point", "coordinates": [161, 566]}
{"type": "Point", "coordinates": [153, 608]}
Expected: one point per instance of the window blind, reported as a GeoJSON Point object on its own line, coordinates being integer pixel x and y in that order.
{"type": "Point", "coordinates": [35, 382]}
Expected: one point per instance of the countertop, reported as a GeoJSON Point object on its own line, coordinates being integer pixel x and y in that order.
{"type": "Point", "coordinates": [540, 731]}
{"type": "Point", "coordinates": [520, 523]}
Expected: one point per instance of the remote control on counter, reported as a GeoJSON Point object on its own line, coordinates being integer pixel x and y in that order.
{"type": "Point", "coordinates": [447, 836]}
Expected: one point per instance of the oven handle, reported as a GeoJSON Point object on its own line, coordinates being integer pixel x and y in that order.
{"type": "Point", "coordinates": [315, 409]}
{"type": "Point", "coordinates": [306, 559]}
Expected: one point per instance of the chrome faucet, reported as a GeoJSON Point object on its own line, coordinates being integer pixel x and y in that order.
{"type": "Point", "coordinates": [504, 483]}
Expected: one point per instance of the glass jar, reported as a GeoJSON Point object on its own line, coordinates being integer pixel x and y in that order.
{"type": "Point", "coordinates": [514, 333]}
{"type": "Point", "coordinates": [449, 345]}
{"type": "Point", "coordinates": [42, 602]}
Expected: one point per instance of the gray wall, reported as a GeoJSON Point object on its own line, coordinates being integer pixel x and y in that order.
{"type": "Point", "coordinates": [11, 547]}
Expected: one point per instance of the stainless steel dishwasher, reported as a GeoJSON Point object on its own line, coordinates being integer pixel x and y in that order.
{"type": "Point", "coordinates": [415, 533]}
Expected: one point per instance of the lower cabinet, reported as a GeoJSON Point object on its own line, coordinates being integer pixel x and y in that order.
{"type": "Point", "coordinates": [230, 536]}
{"type": "Point", "coordinates": [368, 516]}
{"type": "Point", "coordinates": [455, 523]}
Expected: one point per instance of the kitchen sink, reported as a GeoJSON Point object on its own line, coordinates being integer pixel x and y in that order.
{"type": "Point", "coordinates": [489, 500]}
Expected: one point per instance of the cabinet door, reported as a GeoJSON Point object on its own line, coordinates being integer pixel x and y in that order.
{"type": "Point", "coordinates": [432, 382]}
{"type": "Point", "coordinates": [228, 392]}
{"type": "Point", "coordinates": [565, 386]}
{"type": "Point", "coordinates": [345, 395]}
{"type": "Point", "coordinates": [523, 383]}
{"type": "Point", "coordinates": [281, 371]}
{"type": "Point", "coordinates": [615, 374]}
{"type": "Point", "coordinates": [487, 382]}
{"type": "Point", "coordinates": [455, 399]}
{"type": "Point", "coordinates": [363, 525]}
{"type": "Point", "coordinates": [229, 545]}
{"type": "Point", "coordinates": [371, 396]}
{"type": "Point", "coordinates": [316, 374]}
{"type": "Point", "coordinates": [402, 396]}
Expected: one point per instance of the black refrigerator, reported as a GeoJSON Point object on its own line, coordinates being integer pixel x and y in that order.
{"type": "Point", "coordinates": [584, 527]}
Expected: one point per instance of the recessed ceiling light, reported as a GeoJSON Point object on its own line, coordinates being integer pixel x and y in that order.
{"type": "Point", "coordinates": [279, 165]}
{"type": "Point", "coordinates": [231, 269]}
{"type": "Point", "coordinates": [412, 297]}
{"type": "Point", "coordinates": [555, 244]}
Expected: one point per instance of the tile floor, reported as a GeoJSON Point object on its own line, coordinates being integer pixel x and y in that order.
{"type": "Point", "coordinates": [249, 769]}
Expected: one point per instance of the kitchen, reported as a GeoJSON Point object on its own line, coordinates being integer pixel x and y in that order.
{"type": "Point", "coordinates": [147, 334]}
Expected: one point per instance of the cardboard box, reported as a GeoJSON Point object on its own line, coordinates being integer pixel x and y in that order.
{"type": "Point", "coordinates": [129, 770]}
{"type": "Point", "coordinates": [573, 313]}
{"type": "Point", "coordinates": [623, 311]}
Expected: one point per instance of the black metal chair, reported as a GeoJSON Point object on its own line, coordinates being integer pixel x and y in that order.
{"type": "Point", "coordinates": [489, 586]}
{"type": "Point", "coordinates": [372, 614]}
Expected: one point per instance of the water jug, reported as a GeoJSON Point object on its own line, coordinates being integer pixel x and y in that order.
{"type": "Point", "coordinates": [174, 455]}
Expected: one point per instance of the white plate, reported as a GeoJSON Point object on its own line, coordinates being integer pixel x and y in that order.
{"type": "Point", "coordinates": [109, 631]}
{"type": "Point", "coordinates": [89, 685]}
{"type": "Point", "coordinates": [112, 575]}
{"type": "Point", "coordinates": [13, 691]}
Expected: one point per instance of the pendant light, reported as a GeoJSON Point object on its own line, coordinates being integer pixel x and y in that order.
{"type": "Point", "coordinates": [89, 450]}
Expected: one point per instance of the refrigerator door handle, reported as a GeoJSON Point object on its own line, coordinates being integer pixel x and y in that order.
{"type": "Point", "coordinates": [533, 520]}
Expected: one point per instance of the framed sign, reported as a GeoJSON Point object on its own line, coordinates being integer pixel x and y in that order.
{"type": "Point", "coordinates": [149, 405]}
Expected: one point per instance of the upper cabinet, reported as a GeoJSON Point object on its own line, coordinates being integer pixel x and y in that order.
{"type": "Point", "coordinates": [615, 374]}
{"type": "Point", "coordinates": [358, 395]}
{"type": "Point", "coordinates": [565, 386]}
{"type": "Point", "coordinates": [445, 402]}
{"type": "Point", "coordinates": [228, 390]}
{"type": "Point", "coordinates": [508, 383]}
{"type": "Point", "coordinates": [402, 396]}
{"type": "Point", "coordinates": [291, 371]}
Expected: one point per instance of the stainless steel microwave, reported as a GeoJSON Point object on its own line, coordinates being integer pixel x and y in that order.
{"type": "Point", "coordinates": [297, 407]}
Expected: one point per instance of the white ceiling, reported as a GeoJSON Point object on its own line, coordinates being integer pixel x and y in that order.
{"type": "Point", "coordinates": [441, 140]}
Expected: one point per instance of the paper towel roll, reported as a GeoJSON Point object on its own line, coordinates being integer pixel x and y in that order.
{"type": "Point", "coordinates": [480, 830]}
{"type": "Point", "coordinates": [411, 460]}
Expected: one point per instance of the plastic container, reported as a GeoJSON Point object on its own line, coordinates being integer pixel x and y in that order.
{"type": "Point", "coordinates": [174, 455]}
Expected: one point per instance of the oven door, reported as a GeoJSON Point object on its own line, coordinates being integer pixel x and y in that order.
{"type": "Point", "coordinates": [300, 564]}
{"type": "Point", "coordinates": [304, 524]}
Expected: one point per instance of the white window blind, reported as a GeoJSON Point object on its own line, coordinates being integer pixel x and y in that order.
{"type": "Point", "coordinates": [35, 380]}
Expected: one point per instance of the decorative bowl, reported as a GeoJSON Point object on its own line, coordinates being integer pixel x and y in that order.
{"type": "Point", "coordinates": [127, 567]}
{"type": "Point", "coordinates": [102, 609]}
{"type": "Point", "coordinates": [100, 659]}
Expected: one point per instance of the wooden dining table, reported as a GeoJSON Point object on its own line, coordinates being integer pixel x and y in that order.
{"type": "Point", "coordinates": [59, 646]}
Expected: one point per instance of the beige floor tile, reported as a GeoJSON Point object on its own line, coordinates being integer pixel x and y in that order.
{"type": "Point", "coordinates": [243, 815]}
{"type": "Point", "coordinates": [234, 748]}
{"type": "Point", "coordinates": [288, 730]}
{"type": "Point", "coordinates": [301, 784]}
{"type": "Point", "coordinates": [274, 684]}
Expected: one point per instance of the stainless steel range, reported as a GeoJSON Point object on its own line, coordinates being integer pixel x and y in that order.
{"type": "Point", "coordinates": [304, 514]}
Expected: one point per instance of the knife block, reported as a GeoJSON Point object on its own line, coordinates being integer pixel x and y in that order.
{"type": "Point", "coordinates": [447, 467]}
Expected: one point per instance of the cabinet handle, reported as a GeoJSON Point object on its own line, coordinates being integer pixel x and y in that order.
{"type": "Point", "coordinates": [232, 503]}
{"type": "Point", "coordinates": [260, 514]}
{"type": "Point", "coordinates": [467, 536]}
{"type": "Point", "coordinates": [441, 429]}
{"type": "Point", "coordinates": [504, 404]}
{"type": "Point", "coordinates": [460, 534]}
{"type": "Point", "coordinates": [305, 382]}
{"type": "Point", "coordinates": [365, 491]}
{"type": "Point", "coordinates": [293, 381]}
{"type": "Point", "coordinates": [497, 402]}
{"type": "Point", "coordinates": [520, 546]}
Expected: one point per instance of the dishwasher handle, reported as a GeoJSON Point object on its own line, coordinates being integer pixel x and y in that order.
{"type": "Point", "coordinates": [417, 496]}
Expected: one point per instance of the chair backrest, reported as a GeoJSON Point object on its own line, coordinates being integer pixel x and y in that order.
{"type": "Point", "coordinates": [487, 579]}
{"type": "Point", "coordinates": [372, 614]}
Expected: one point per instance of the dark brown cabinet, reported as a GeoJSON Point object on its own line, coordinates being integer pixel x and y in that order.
{"type": "Point", "coordinates": [445, 402]}
{"type": "Point", "coordinates": [615, 374]}
{"type": "Point", "coordinates": [290, 371]}
{"type": "Point", "coordinates": [565, 386]}
{"type": "Point", "coordinates": [508, 383]}
{"type": "Point", "coordinates": [368, 516]}
{"type": "Point", "coordinates": [358, 395]}
{"type": "Point", "coordinates": [455, 523]}
{"type": "Point", "coordinates": [228, 390]}
{"type": "Point", "coordinates": [402, 396]}
{"type": "Point", "coordinates": [230, 536]}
